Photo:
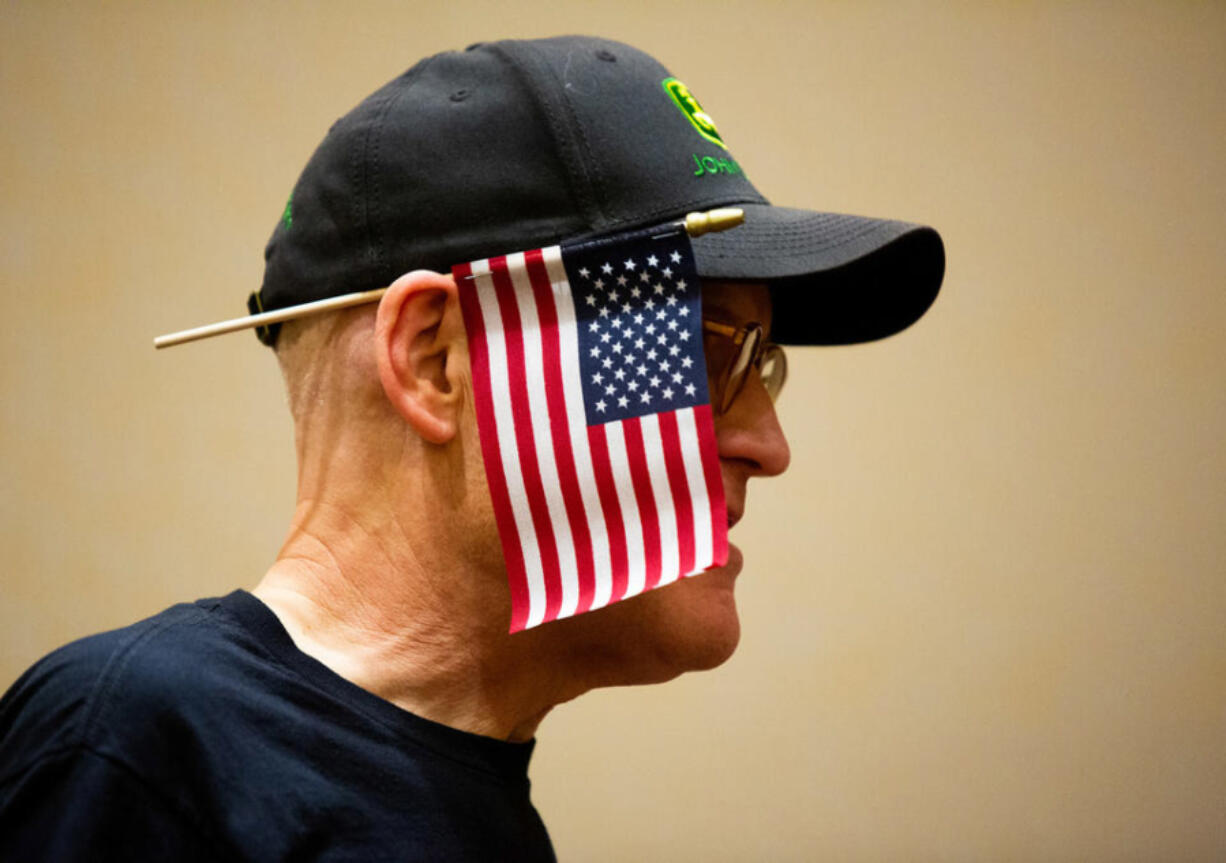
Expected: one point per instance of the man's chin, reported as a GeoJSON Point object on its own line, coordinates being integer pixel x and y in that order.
{"type": "Point", "coordinates": [693, 623]}
{"type": "Point", "coordinates": [707, 618]}
{"type": "Point", "coordinates": [689, 625]}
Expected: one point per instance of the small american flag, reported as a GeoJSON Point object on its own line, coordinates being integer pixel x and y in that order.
{"type": "Point", "coordinates": [596, 431]}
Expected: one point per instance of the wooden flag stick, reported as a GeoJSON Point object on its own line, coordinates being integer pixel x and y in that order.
{"type": "Point", "coordinates": [696, 224]}
{"type": "Point", "coordinates": [276, 316]}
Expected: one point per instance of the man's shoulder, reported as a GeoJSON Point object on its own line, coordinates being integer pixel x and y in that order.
{"type": "Point", "coordinates": [116, 684]}
{"type": "Point", "coordinates": [100, 754]}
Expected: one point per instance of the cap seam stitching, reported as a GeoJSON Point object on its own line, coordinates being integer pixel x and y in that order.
{"type": "Point", "coordinates": [576, 185]}
{"type": "Point", "coordinates": [591, 167]}
{"type": "Point", "coordinates": [374, 142]}
{"type": "Point", "coordinates": [775, 253]}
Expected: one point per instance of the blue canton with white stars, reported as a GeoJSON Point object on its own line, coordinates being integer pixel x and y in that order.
{"type": "Point", "coordinates": [639, 311]}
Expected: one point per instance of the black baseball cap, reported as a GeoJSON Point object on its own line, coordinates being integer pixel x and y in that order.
{"type": "Point", "coordinates": [514, 145]}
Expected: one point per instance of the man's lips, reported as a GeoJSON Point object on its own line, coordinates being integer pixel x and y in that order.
{"type": "Point", "coordinates": [734, 515]}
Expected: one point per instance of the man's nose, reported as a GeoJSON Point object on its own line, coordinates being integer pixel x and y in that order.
{"type": "Point", "coordinates": [749, 432]}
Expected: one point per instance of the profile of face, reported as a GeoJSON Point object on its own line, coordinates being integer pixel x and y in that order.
{"type": "Point", "coordinates": [692, 624]}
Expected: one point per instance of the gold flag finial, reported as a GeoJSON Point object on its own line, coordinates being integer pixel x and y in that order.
{"type": "Point", "coordinates": [697, 224]}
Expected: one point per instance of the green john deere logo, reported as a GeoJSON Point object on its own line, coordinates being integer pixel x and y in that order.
{"type": "Point", "coordinates": [684, 100]}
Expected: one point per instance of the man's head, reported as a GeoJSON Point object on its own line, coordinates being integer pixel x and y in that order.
{"type": "Point", "coordinates": [518, 145]}
{"type": "Point", "coordinates": [387, 441]}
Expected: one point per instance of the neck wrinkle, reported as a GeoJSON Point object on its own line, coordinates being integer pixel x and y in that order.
{"type": "Point", "coordinates": [386, 622]}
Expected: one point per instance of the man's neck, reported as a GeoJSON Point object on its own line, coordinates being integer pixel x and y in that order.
{"type": "Point", "coordinates": [422, 639]}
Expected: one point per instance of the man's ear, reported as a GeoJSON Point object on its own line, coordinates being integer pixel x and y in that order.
{"type": "Point", "coordinates": [419, 344]}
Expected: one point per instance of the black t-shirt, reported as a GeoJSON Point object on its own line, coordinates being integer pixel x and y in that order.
{"type": "Point", "coordinates": [203, 733]}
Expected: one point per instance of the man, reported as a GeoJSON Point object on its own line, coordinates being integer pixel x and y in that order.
{"type": "Point", "coordinates": [366, 700]}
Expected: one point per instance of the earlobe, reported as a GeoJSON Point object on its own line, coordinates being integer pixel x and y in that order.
{"type": "Point", "coordinates": [419, 339]}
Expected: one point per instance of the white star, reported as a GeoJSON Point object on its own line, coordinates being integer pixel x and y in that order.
{"type": "Point", "coordinates": [626, 308]}
{"type": "Point", "coordinates": [650, 304]}
{"type": "Point", "coordinates": [690, 389]}
{"type": "Point", "coordinates": [617, 348]}
{"type": "Point", "coordinates": [591, 299]}
{"type": "Point", "coordinates": [674, 350]}
{"type": "Point", "coordinates": [651, 354]}
{"type": "Point", "coordinates": [653, 261]}
{"type": "Point", "coordinates": [606, 268]}
{"type": "Point", "coordinates": [663, 338]}
{"type": "Point", "coordinates": [668, 271]}
{"type": "Point", "coordinates": [631, 359]}
{"type": "Point", "coordinates": [606, 362]}
{"type": "Point", "coordinates": [621, 280]}
{"type": "Point", "coordinates": [610, 389]}
{"type": "Point", "coordinates": [643, 277]}
{"type": "Point", "coordinates": [593, 326]}
{"type": "Point", "coordinates": [675, 257]}
{"type": "Point", "coordinates": [665, 366]}
{"type": "Point", "coordinates": [659, 288]}
{"type": "Point", "coordinates": [632, 386]}
{"type": "Point", "coordinates": [629, 263]}
{"type": "Point", "coordinates": [655, 381]}
{"type": "Point", "coordinates": [668, 393]}
{"type": "Point", "coordinates": [646, 397]}
{"type": "Point", "coordinates": [686, 362]}
{"type": "Point", "coordinates": [672, 301]}
{"type": "Point", "coordinates": [636, 293]}
{"type": "Point", "coordinates": [604, 311]}
{"type": "Point", "coordinates": [642, 370]}
{"type": "Point", "coordinates": [597, 378]}
{"type": "Point", "coordinates": [604, 337]}
{"type": "Point", "coordinates": [612, 296]}
{"type": "Point", "coordinates": [584, 271]}
{"type": "Point", "coordinates": [595, 351]}
{"type": "Point", "coordinates": [622, 401]}
{"type": "Point", "coordinates": [638, 319]}
{"type": "Point", "coordinates": [672, 325]}
{"type": "Point", "coordinates": [599, 283]}
{"type": "Point", "coordinates": [617, 323]}
{"type": "Point", "coordinates": [638, 344]}
{"type": "Point", "coordinates": [660, 314]}
{"type": "Point", "coordinates": [676, 377]}
{"type": "Point", "coordinates": [684, 311]}
{"type": "Point", "coordinates": [681, 284]}
{"type": "Point", "coordinates": [600, 405]}
{"type": "Point", "coordinates": [649, 329]}
{"type": "Point", "coordinates": [684, 335]}
{"type": "Point", "coordinates": [619, 374]}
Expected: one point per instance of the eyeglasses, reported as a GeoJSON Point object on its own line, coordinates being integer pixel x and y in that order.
{"type": "Point", "coordinates": [738, 351]}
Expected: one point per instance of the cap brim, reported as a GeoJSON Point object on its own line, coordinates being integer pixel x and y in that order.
{"type": "Point", "coordinates": [834, 279]}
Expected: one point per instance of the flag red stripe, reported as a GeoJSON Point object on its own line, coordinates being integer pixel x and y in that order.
{"type": "Point", "coordinates": [636, 453]}
{"type": "Point", "coordinates": [559, 427]}
{"type": "Point", "coordinates": [479, 362]}
{"type": "Point", "coordinates": [683, 504]}
{"type": "Point", "coordinates": [715, 482]}
{"type": "Point", "coordinates": [517, 377]}
{"type": "Point", "coordinates": [598, 443]}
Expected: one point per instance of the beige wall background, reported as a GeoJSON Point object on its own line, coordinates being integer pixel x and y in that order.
{"type": "Point", "coordinates": [984, 614]}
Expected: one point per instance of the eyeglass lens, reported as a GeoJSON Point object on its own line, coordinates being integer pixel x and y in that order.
{"type": "Point", "coordinates": [754, 351]}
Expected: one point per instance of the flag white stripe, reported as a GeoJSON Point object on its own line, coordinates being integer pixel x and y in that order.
{"type": "Point", "coordinates": [508, 449]}
{"type": "Point", "coordinates": [687, 429]}
{"type": "Point", "coordinates": [619, 464]}
{"type": "Point", "coordinates": [576, 420]}
{"type": "Point", "coordinates": [666, 513]}
{"type": "Point", "coordinates": [542, 435]}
